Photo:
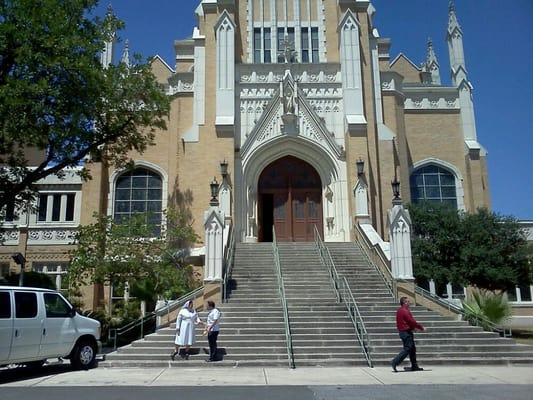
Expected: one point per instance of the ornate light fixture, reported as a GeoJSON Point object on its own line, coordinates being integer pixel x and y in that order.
{"type": "Point", "coordinates": [396, 190]}
{"type": "Point", "coordinates": [214, 192]}
{"type": "Point", "coordinates": [224, 169]}
{"type": "Point", "coordinates": [360, 166]}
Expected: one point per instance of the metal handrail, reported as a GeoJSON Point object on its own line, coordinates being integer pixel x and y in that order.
{"type": "Point", "coordinates": [288, 334]}
{"type": "Point", "coordinates": [391, 283]}
{"type": "Point", "coordinates": [345, 295]}
{"type": "Point", "coordinates": [115, 333]}
{"type": "Point", "coordinates": [385, 272]}
{"type": "Point", "coordinates": [229, 254]}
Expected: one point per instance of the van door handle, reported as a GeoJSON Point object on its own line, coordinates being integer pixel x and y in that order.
{"type": "Point", "coordinates": [16, 333]}
{"type": "Point", "coordinates": [44, 332]}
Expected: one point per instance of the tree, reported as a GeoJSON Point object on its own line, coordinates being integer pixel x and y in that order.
{"type": "Point", "coordinates": [482, 249]}
{"type": "Point", "coordinates": [436, 241]}
{"type": "Point", "coordinates": [110, 252]}
{"type": "Point", "coordinates": [57, 98]}
{"type": "Point", "coordinates": [494, 254]}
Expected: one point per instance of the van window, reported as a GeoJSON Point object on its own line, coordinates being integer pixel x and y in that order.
{"type": "Point", "coordinates": [55, 306]}
{"type": "Point", "coordinates": [5, 305]}
{"type": "Point", "coordinates": [25, 305]}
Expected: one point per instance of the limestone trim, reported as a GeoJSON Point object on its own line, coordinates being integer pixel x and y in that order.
{"type": "Point", "coordinates": [460, 193]}
{"type": "Point", "coordinates": [311, 126]}
{"type": "Point", "coordinates": [139, 164]}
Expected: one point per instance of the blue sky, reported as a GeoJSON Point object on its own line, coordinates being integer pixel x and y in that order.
{"type": "Point", "coordinates": [498, 40]}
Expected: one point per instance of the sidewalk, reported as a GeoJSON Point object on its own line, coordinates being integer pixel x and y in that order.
{"type": "Point", "coordinates": [62, 376]}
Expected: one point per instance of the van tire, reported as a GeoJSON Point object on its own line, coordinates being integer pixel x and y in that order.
{"type": "Point", "coordinates": [84, 355]}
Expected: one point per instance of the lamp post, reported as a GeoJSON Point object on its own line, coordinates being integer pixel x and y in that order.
{"type": "Point", "coordinates": [214, 192]}
{"type": "Point", "coordinates": [20, 260]}
{"type": "Point", "coordinates": [360, 166]}
{"type": "Point", "coordinates": [396, 200]}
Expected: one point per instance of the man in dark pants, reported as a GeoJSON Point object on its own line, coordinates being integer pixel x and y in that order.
{"type": "Point", "coordinates": [213, 328]}
{"type": "Point", "coordinates": [406, 324]}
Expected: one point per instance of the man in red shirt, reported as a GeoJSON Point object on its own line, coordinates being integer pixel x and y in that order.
{"type": "Point", "coordinates": [406, 324]}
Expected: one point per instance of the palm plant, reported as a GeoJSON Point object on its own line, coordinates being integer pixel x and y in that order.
{"type": "Point", "coordinates": [487, 308]}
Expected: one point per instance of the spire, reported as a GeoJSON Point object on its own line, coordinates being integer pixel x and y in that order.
{"type": "Point", "coordinates": [125, 59]}
{"type": "Point", "coordinates": [453, 22]}
{"type": "Point", "coordinates": [107, 55]}
{"type": "Point", "coordinates": [432, 64]}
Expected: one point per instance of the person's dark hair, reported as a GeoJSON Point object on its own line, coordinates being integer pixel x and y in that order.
{"type": "Point", "coordinates": [211, 303]}
{"type": "Point", "coordinates": [403, 300]}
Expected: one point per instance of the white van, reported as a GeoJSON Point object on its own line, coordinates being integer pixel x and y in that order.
{"type": "Point", "coordinates": [36, 324]}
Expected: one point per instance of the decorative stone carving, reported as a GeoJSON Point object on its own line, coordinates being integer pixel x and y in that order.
{"type": "Point", "coordinates": [400, 242]}
{"type": "Point", "coordinates": [48, 236]}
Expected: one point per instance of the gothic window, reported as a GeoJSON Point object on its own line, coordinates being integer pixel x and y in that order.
{"type": "Point", "coordinates": [139, 192]}
{"type": "Point", "coordinates": [434, 184]}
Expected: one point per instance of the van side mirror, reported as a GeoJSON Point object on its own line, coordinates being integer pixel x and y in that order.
{"type": "Point", "coordinates": [72, 312]}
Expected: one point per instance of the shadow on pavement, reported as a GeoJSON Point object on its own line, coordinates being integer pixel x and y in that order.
{"type": "Point", "coordinates": [23, 373]}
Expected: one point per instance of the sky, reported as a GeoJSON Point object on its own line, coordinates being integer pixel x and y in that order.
{"type": "Point", "coordinates": [498, 41]}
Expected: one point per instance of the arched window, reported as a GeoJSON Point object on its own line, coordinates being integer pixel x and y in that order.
{"type": "Point", "coordinates": [139, 191]}
{"type": "Point", "coordinates": [434, 184]}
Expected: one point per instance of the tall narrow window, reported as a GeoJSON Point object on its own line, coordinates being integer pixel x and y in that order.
{"type": "Point", "coordinates": [267, 45]}
{"type": "Point", "coordinates": [257, 45]}
{"type": "Point", "coordinates": [69, 214]}
{"type": "Point", "coordinates": [290, 36]}
{"type": "Point", "coordinates": [314, 45]}
{"type": "Point", "coordinates": [56, 207]}
{"type": "Point", "coordinates": [43, 206]}
{"type": "Point", "coordinates": [305, 45]}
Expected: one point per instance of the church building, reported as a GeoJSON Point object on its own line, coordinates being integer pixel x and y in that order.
{"type": "Point", "coordinates": [311, 119]}
{"type": "Point", "coordinates": [298, 110]}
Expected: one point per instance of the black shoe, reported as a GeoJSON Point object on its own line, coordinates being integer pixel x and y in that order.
{"type": "Point", "coordinates": [394, 367]}
{"type": "Point", "coordinates": [173, 355]}
{"type": "Point", "coordinates": [416, 368]}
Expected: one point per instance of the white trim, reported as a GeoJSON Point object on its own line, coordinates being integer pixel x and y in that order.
{"type": "Point", "coordinates": [407, 58]}
{"type": "Point", "coordinates": [158, 57]}
{"type": "Point", "coordinates": [459, 190]}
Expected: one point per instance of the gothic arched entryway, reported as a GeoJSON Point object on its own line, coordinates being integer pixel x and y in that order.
{"type": "Point", "coordinates": [290, 199]}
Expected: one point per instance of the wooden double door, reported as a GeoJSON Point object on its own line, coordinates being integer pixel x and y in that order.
{"type": "Point", "coordinates": [290, 200]}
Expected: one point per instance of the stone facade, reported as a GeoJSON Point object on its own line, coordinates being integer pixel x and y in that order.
{"type": "Point", "coordinates": [312, 79]}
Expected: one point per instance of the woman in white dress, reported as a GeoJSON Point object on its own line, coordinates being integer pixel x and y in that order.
{"type": "Point", "coordinates": [185, 329]}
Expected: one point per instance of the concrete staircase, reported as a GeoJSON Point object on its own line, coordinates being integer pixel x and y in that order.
{"type": "Point", "coordinates": [322, 333]}
{"type": "Point", "coordinates": [446, 341]}
{"type": "Point", "coordinates": [252, 328]}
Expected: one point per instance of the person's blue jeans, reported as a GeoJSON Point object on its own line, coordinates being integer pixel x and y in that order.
{"type": "Point", "coordinates": [409, 349]}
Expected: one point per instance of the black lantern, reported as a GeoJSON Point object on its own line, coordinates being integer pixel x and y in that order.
{"type": "Point", "coordinates": [396, 190]}
{"type": "Point", "coordinates": [224, 168]}
{"type": "Point", "coordinates": [360, 166]}
{"type": "Point", "coordinates": [20, 260]}
{"type": "Point", "coordinates": [214, 192]}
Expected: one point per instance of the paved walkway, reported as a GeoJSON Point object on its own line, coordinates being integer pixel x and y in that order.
{"type": "Point", "coordinates": [60, 375]}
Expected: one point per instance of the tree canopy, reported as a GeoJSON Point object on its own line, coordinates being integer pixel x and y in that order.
{"type": "Point", "coordinates": [110, 252]}
{"type": "Point", "coordinates": [482, 249]}
{"type": "Point", "coordinates": [57, 99]}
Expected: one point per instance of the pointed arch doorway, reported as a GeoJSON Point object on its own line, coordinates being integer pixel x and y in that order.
{"type": "Point", "coordinates": [290, 200]}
